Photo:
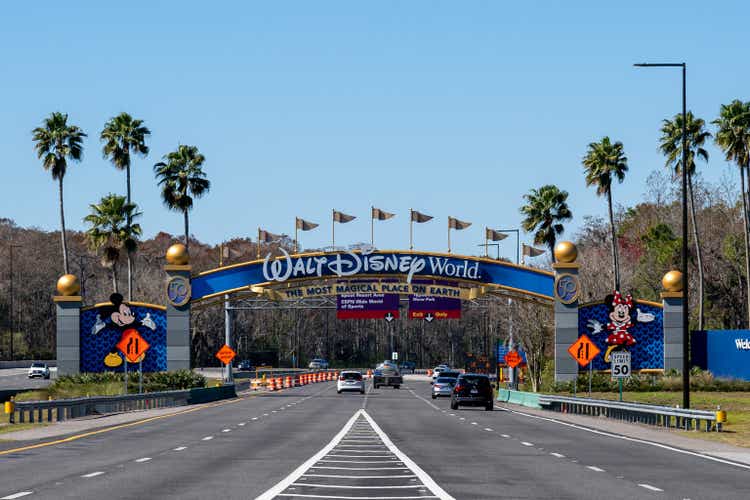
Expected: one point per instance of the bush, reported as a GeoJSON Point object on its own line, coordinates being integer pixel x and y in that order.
{"type": "Point", "coordinates": [111, 383]}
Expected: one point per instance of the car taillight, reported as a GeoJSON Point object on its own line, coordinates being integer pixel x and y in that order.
{"type": "Point", "coordinates": [437, 386]}
{"type": "Point", "coordinates": [458, 388]}
{"type": "Point", "coordinates": [342, 378]}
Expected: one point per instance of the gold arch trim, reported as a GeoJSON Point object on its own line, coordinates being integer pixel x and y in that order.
{"type": "Point", "coordinates": [128, 302]}
{"type": "Point", "coordinates": [638, 301]}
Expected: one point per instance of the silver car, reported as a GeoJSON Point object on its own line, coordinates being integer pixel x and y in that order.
{"type": "Point", "coordinates": [443, 386]}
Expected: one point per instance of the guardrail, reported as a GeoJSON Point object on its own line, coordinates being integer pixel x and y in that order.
{"type": "Point", "coordinates": [57, 410]}
{"type": "Point", "coordinates": [660, 416]}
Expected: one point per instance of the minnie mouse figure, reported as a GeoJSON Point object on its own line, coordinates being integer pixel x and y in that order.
{"type": "Point", "coordinates": [621, 320]}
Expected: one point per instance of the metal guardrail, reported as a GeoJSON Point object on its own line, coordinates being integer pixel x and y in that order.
{"type": "Point", "coordinates": [661, 416]}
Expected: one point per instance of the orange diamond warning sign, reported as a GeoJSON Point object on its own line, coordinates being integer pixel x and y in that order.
{"type": "Point", "coordinates": [226, 354]}
{"type": "Point", "coordinates": [583, 350]}
{"type": "Point", "coordinates": [513, 359]}
{"type": "Point", "coordinates": [132, 345]}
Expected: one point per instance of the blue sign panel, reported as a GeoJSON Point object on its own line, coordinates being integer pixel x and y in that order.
{"type": "Point", "coordinates": [647, 330]}
{"type": "Point", "coordinates": [103, 326]}
{"type": "Point", "coordinates": [725, 353]}
{"type": "Point", "coordinates": [372, 263]}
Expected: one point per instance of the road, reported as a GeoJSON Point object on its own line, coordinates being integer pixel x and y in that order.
{"type": "Point", "coordinates": [17, 378]}
{"type": "Point", "coordinates": [309, 442]}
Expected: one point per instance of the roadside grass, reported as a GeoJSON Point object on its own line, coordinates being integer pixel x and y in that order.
{"type": "Point", "coordinates": [736, 430]}
{"type": "Point", "coordinates": [73, 391]}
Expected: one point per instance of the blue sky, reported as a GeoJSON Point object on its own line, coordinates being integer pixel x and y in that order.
{"type": "Point", "coordinates": [452, 108]}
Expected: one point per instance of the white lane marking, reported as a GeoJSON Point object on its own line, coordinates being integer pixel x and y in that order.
{"type": "Point", "coordinates": [241, 424]}
{"type": "Point", "coordinates": [461, 418]}
{"type": "Point", "coordinates": [649, 487]}
{"type": "Point", "coordinates": [488, 429]}
{"type": "Point", "coordinates": [360, 456]}
{"type": "Point", "coordinates": [254, 418]}
{"type": "Point", "coordinates": [273, 411]}
{"type": "Point", "coordinates": [505, 435]}
{"type": "Point", "coordinates": [526, 443]}
{"type": "Point", "coordinates": [356, 468]}
{"type": "Point", "coordinates": [17, 495]}
{"type": "Point", "coordinates": [207, 438]}
{"type": "Point", "coordinates": [93, 474]}
{"type": "Point", "coordinates": [141, 460]}
{"type": "Point", "coordinates": [226, 430]}
{"type": "Point", "coordinates": [299, 495]}
{"type": "Point", "coordinates": [452, 414]}
{"type": "Point", "coordinates": [338, 476]}
{"type": "Point", "coordinates": [180, 448]}
{"type": "Point", "coordinates": [377, 487]}
{"type": "Point", "coordinates": [558, 455]}
{"type": "Point", "coordinates": [421, 474]}
{"type": "Point", "coordinates": [627, 438]}
{"type": "Point", "coordinates": [265, 414]}
{"type": "Point", "coordinates": [594, 468]}
{"type": "Point", "coordinates": [474, 423]}
{"type": "Point", "coordinates": [360, 461]}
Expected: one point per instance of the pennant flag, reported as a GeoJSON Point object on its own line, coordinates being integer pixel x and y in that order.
{"type": "Point", "coordinates": [493, 235]}
{"type": "Point", "coordinates": [378, 214]}
{"type": "Point", "coordinates": [342, 218]}
{"type": "Point", "coordinates": [267, 237]}
{"type": "Point", "coordinates": [530, 251]}
{"type": "Point", "coordinates": [420, 217]}
{"type": "Point", "coordinates": [305, 225]}
{"type": "Point", "coordinates": [454, 223]}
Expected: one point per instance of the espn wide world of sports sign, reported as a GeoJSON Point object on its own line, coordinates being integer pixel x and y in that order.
{"type": "Point", "coordinates": [372, 263]}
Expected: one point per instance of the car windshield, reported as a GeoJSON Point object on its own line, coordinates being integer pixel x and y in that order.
{"type": "Point", "coordinates": [474, 380]}
{"type": "Point", "coordinates": [446, 380]}
{"type": "Point", "coordinates": [351, 376]}
{"type": "Point", "coordinates": [37, 365]}
{"type": "Point", "coordinates": [447, 374]}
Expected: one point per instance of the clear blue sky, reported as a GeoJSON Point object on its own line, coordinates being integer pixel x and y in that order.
{"type": "Point", "coordinates": [452, 108]}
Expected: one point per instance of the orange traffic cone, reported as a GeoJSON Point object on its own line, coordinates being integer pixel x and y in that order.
{"type": "Point", "coordinates": [271, 385]}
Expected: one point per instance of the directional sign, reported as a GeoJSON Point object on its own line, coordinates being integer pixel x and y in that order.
{"type": "Point", "coordinates": [394, 356]}
{"type": "Point", "coordinates": [513, 359]}
{"type": "Point", "coordinates": [226, 354]}
{"type": "Point", "coordinates": [132, 345]}
{"type": "Point", "coordinates": [389, 317]}
{"type": "Point", "coordinates": [583, 350]}
{"type": "Point", "coordinates": [620, 364]}
{"type": "Point", "coordinates": [429, 317]}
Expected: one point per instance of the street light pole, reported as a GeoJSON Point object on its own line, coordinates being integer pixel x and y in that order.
{"type": "Point", "coordinates": [684, 251]}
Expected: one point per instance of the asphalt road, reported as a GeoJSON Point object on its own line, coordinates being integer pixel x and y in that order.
{"type": "Point", "coordinates": [17, 378]}
{"type": "Point", "coordinates": [310, 442]}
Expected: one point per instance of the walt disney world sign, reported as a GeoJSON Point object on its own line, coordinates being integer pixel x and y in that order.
{"type": "Point", "coordinates": [370, 263]}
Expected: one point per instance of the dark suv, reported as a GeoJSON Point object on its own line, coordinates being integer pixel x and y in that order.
{"type": "Point", "coordinates": [472, 389]}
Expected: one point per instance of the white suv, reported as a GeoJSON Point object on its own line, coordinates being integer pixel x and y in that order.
{"type": "Point", "coordinates": [39, 370]}
{"type": "Point", "coordinates": [350, 381]}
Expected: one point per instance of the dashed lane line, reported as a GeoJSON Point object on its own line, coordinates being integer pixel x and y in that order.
{"type": "Point", "coordinates": [207, 438]}
{"type": "Point", "coordinates": [558, 455]}
{"type": "Point", "coordinates": [526, 443]}
{"type": "Point", "coordinates": [93, 474]}
{"type": "Point", "coordinates": [17, 495]}
{"type": "Point", "coordinates": [180, 448]}
{"type": "Point", "coordinates": [649, 487]}
{"type": "Point", "coordinates": [594, 468]}
{"type": "Point", "coordinates": [141, 460]}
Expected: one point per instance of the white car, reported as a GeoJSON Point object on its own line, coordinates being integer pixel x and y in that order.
{"type": "Point", "coordinates": [436, 371]}
{"type": "Point", "coordinates": [350, 381]}
{"type": "Point", "coordinates": [39, 370]}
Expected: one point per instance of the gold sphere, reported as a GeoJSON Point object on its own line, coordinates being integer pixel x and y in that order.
{"type": "Point", "coordinates": [177, 255]}
{"type": "Point", "coordinates": [672, 281]}
{"type": "Point", "coordinates": [68, 285]}
{"type": "Point", "coordinates": [566, 252]}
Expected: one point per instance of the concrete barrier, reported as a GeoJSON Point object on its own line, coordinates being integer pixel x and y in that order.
{"type": "Point", "coordinates": [529, 399]}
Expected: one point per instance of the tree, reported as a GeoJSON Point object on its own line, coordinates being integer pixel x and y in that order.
{"type": "Point", "coordinates": [603, 161]}
{"type": "Point", "coordinates": [56, 142]}
{"type": "Point", "coordinates": [181, 179]}
{"type": "Point", "coordinates": [110, 231]}
{"type": "Point", "coordinates": [733, 137]}
{"type": "Point", "coordinates": [123, 135]}
{"type": "Point", "coordinates": [545, 210]}
{"type": "Point", "coordinates": [671, 147]}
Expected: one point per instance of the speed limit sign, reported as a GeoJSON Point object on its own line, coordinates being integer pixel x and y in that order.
{"type": "Point", "coordinates": [620, 364]}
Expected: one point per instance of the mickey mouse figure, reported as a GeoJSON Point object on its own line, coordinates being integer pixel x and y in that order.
{"type": "Point", "coordinates": [122, 318]}
{"type": "Point", "coordinates": [621, 320]}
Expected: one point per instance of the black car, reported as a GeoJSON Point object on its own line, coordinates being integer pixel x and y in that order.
{"type": "Point", "coordinates": [245, 366]}
{"type": "Point", "coordinates": [472, 389]}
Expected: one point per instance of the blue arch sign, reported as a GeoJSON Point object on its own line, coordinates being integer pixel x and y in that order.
{"type": "Point", "coordinates": [372, 264]}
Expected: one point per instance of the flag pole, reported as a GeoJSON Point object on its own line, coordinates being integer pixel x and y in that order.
{"type": "Point", "coordinates": [411, 229]}
{"type": "Point", "coordinates": [486, 244]}
{"type": "Point", "coordinates": [449, 235]}
{"type": "Point", "coordinates": [258, 252]}
{"type": "Point", "coordinates": [221, 254]}
{"type": "Point", "coordinates": [372, 226]}
{"type": "Point", "coordinates": [296, 236]}
{"type": "Point", "coordinates": [333, 230]}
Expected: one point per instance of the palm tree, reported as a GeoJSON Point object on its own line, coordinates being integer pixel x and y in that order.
{"type": "Point", "coordinates": [733, 137]}
{"type": "Point", "coordinates": [122, 135]}
{"type": "Point", "coordinates": [603, 161]}
{"type": "Point", "coordinates": [671, 147]}
{"type": "Point", "coordinates": [56, 142]}
{"type": "Point", "coordinates": [181, 178]}
{"type": "Point", "coordinates": [545, 210]}
{"type": "Point", "coordinates": [110, 230]}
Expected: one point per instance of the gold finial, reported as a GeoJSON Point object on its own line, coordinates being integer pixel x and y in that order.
{"type": "Point", "coordinates": [68, 285]}
{"type": "Point", "coordinates": [178, 255]}
{"type": "Point", "coordinates": [672, 281]}
{"type": "Point", "coordinates": [566, 252]}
